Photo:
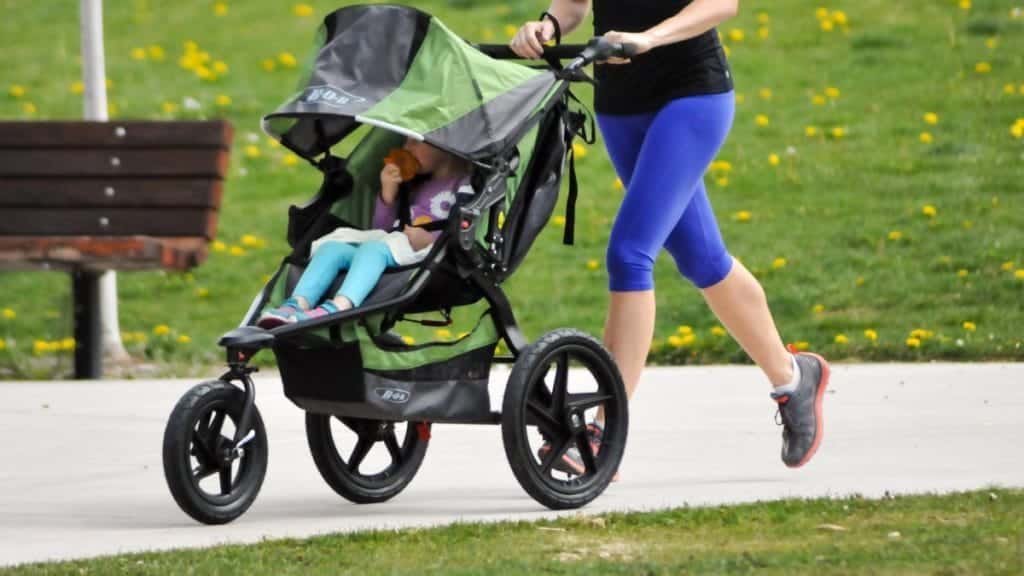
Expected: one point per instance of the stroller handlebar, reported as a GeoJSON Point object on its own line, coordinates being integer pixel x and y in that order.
{"type": "Point", "coordinates": [598, 49]}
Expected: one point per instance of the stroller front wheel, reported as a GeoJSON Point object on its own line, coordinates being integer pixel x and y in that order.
{"type": "Point", "coordinates": [209, 480]}
{"type": "Point", "coordinates": [548, 443]}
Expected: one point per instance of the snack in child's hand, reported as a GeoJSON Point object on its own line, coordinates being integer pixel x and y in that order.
{"type": "Point", "coordinates": [406, 162]}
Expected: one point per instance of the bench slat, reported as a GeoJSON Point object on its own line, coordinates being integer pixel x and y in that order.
{"type": "Point", "coordinates": [102, 253]}
{"type": "Point", "coordinates": [110, 192]}
{"type": "Point", "coordinates": [136, 134]}
{"type": "Point", "coordinates": [108, 222]}
{"type": "Point", "coordinates": [78, 162]}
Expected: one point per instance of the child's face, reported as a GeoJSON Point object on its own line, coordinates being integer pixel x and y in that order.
{"type": "Point", "coordinates": [429, 157]}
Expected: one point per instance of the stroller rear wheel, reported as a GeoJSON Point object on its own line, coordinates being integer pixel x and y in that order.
{"type": "Point", "coordinates": [545, 415]}
{"type": "Point", "coordinates": [365, 475]}
{"type": "Point", "coordinates": [209, 480]}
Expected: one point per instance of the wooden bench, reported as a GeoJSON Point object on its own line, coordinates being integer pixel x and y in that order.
{"type": "Point", "coordinates": [85, 197]}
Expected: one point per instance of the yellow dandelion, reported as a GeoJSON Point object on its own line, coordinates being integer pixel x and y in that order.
{"type": "Point", "coordinates": [839, 17]}
{"type": "Point", "coordinates": [138, 53]}
{"type": "Point", "coordinates": [169, 107]}
{"type": "Point", "coordinates": [913, 342]}
{"type": "Point", "coordinates": [967, 224]}
{"type": "Point", "coordinates": [287, 59]}
{"type": "Point", "coordinates": [763, 18]}
{"type": "Point", "coordinates": [763, 33]}
{"type": "Point", "coordinates": [811, 131]}
{"type": "Point", "coordinates": [722, 182]}
{"type": "Point", "coordinates": [717, 331]}
{"type": "Point", "coordinates": [156, 52]}
{"type": "Point", "coordinates": [617, 185]}
{"type": "Point", "coordinates": [184, 339]}
{"type": "Point", "coordinates": [991, 42]}
{"type": "Point", "coordinates": [559, 220]}
{"type": "Point", "coordinates": [1005, 267]}
{"type": "Point", "coordinates": [302, 10]}
{"type": "Point", "coordinates": [9, 314]}
{"type": "Point", "coordinates": [965, 4]}
{"type": "Point", "coordinates": [962, 273]}
{"type": "Point", "coordinates": [250, 241]}
{"type": "Point", "coordinates": [929, 211]}
{"type": "Point", "coordinates": [269, 65]}
{"type": "Point", "coordinates": [236, 251]}
{"type": "Point", "coordinates": [818, 308]}
{"type": "Point", "coordinates": [579, 149]}
{"type": "Point", "coordinates": [290, 160]}
{"type": "Point", "coordinates": [688, 339]}
{"type": "Point", "coordinates": [1019, 274]}
{"type": "Point", "coordinates": [841, 339]}
{"type": "Point", "coordinates": [17, 91]}
{"type": "Point", "coordinates": [818, 100]}
{"type": "Point", "coordinates": [921, 334]}
{"type": "Point", "coordinates": [1009, 89]}
{"type": "Point", "coordinates": [765, 93]}
{"type": "Point", "coordinates": [778, 263]}
{"type": "Point", "coordinates": [721, 166]}
{"type": "Point", "coordinates": [221, 67]}
{"type": "Point", "coordinates": [802, 345]}
{"type": "Point", "coordinates": [29, 108]}
{"type": "Point", "coordinates": [736, 35]}
{"type": "Point", "coordinates": [828, 25]}
{"type": "Point", "coordinates": [76, 87]}
{"type": "Point", "coordinates": [409, 341]}
{"type": "Point", "coordinates": [925, 137]}
{"type": "Point", "coordinates": [895, 235]}
{"type": "Point", "coordinates": [161, 330]}
{"type": "Point", "coordinates": [821, 13]}
{"type": "Point", "coordinates": [838, 132]}
{"type": "Point", "coordinates": [223, 100]}
{"type": "Point", "coordinates": [593, 264]}
{"type": "Point", "coordinates": [675, 341]}
{"type": "Point", "coordinates": [871, 335]}
{"type": "Point", "coordinates": [204, 73]}
{"type": "Point", "coordinates": [832, 92]}
{"type": "Point", "coordinates": [253, 151]}
{"type": "Point", "coordinates": [773, 159]}
{"type": "Point", "coordinates": [510, 30]}
{"type": "Point", "coordinates": [3, 344]}
{"type": "Point", "coordinates": [443, 333]}
{"type": "Point", "coordinates": [220, 9]}
{"type": "Point", "coordinates": [859, 281]}
{"type": "Point", "coordinates": [982, 67]}
{"type": "Point", "coordinates": [219, 246]}
{"type": "Point", "coordinates": [40, 347]}
{"type": "Point", "coordinates": [761, 120]}
{"type": "Point", "coordinates": [684, 330]}
{"type": "Point", "coordinates": [1017, 130]}
{"type": "Point", "coordinates": [930, 118]}
{"type": "Point", "coordinates": [203, 292]}
{"type": "Point", "coordinates": [970, 326]}
{"type": "Point", "coordinates": [742, 216]}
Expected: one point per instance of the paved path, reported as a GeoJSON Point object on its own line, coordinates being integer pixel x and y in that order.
{"type": "Point", "coordinates": [81, 466]}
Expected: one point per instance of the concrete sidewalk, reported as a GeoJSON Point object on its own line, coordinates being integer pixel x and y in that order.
{"type": "Point", "coordinates": [82, 474]}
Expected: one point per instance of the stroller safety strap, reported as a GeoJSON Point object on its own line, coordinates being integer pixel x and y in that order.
{"type": "Point", "coordinates": [576, 125]}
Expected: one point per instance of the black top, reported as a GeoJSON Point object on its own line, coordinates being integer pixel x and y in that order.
{"type": "Point", "coordinates": [650, 80]}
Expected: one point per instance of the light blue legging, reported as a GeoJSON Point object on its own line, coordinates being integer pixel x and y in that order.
{"type": "Point", "coordinates": [365, 263]}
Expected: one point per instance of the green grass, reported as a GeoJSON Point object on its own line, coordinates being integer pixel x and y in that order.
{"type": "Point", "coordinates": [966, 533]}
{"type": "Point", "coordinates": [827, 208]}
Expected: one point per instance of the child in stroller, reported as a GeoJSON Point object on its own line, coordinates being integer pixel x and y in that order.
{"type": "Point", "coordinates": [367, 253]}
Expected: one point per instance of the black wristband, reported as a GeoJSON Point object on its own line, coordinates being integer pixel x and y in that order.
{"type": "Point", "coordinates": [558, 27]}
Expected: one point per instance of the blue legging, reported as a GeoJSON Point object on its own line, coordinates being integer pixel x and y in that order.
{"type": "Point", "coordinates": [661, 158]}
{"type": "Point", "coordinates": [365, 263]}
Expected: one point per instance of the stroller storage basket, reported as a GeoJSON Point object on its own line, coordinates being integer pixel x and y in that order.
{"type": "Point", "coordinates": [377, 376]}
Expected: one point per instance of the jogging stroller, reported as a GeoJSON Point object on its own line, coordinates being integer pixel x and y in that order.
{"type": "Point", "coordinates": [380, 74]}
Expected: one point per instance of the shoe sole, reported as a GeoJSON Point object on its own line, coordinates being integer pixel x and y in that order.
{"type": "Point", "coordinates": [819, 418]}
{"type": "Point", "coordinates": [569, 466]}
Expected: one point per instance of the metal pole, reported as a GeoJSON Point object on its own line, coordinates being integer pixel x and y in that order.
{"type": "Point", "coordinates": [85, 294]}
{"type": "Point", "coordinates": [95, 108]}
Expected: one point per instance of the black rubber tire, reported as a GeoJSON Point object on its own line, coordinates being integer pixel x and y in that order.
{"type": "Point", "coordinates": [179, 446]}
{"type": "Point", "coordinates": [352, 485]}
{"type": "Point", "coordinates": [529, 368]}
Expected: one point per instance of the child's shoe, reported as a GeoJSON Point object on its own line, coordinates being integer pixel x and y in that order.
{"type": "Point", "coordinates": [328, 307]}
{"type": "Point", "coordinates": [286, 313]}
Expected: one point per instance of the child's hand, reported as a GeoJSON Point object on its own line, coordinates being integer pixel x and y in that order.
{"type": "Point", "coordinates": [390, 178]}
{"type": "Point", "coordinates": [418, 237]}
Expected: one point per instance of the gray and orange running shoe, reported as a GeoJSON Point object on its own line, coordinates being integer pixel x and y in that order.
{"type": "Point", "coordinates": [571, 462]}
{"type": "Point", "coordinates": [800, 412]}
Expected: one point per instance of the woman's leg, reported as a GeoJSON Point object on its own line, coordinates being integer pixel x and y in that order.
{"type": "Point", "coordinates": [321, 272]}
{"type": "Point", "coordinates": [369, 263]}
{"type": "Point", "coordinates": [731, 291]}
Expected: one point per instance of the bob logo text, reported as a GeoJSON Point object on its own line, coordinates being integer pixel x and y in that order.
{"type": "Point", "coordinates": [328, 96]}
{"type": "Point", "coordinates": [393, 395]}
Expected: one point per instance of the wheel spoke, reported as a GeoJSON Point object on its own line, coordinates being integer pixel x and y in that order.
{"type": "Point", "coordinates": [204, 424]}
{"type": "Point", "coordinates": [584, 401]}
{"type": "Point", "coordinates": [391, 441]}
{"type": "Point", "coordinates": [555, 454]}
{"type": "Point", "coordinates": [547, 423]}
{"type": "Point", "coordinates": [216, 424]}
{"type": "Point", "coordinates": [225, 480]}
{"type": "Point", "coordinates": [586, 450]}
{"type": "Point", "coordinates": [205, 455]}
{"type": "Point", "coordinates": [561, 387]}
{"type": "Point", "coordinates": [359, 453]}
{"type": "Point", "coordinates": [353, 425]}
{"type": "Point", "coordinates": [203, 471]}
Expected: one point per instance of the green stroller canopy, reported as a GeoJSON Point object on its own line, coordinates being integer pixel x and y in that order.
{"type": "Point", "coordinates": [398, 68]}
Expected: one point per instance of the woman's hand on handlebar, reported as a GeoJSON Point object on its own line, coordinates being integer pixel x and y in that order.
{"type": "Point", "coordinates": [641, 41]}
{"type": "Point", "coordinates": [530, 39]}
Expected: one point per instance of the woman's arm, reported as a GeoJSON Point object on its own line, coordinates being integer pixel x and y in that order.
{"type": "Point", "coordinates": [695, 19]}
{"type": "Point", "coordinates": [529, 40]}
